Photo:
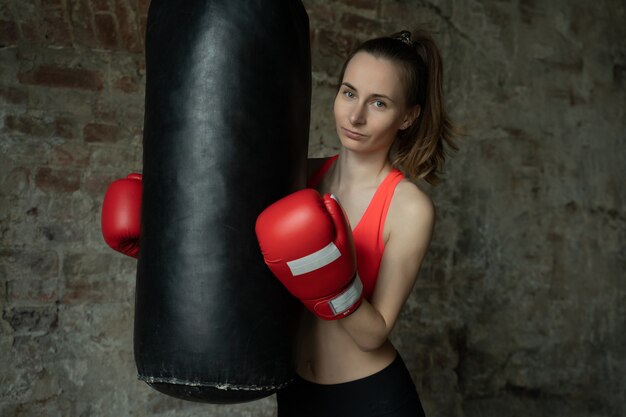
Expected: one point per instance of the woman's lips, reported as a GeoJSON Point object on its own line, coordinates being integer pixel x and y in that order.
{"type": "Point", "coordinates": [352, 135]}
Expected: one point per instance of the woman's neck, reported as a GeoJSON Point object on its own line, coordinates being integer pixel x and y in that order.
{"type": "Point", "coordinates": [356, 170]}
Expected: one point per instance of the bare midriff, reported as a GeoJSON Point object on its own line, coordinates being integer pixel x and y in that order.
{"type": "Point", "coordinates": [326, 354]}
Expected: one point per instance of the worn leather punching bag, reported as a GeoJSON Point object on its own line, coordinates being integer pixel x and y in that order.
{"type": "Point", "coordinates": [228, 90]}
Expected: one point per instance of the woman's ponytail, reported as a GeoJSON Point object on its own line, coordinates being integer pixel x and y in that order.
{"type": "Point", "coordinates": [420, 151]}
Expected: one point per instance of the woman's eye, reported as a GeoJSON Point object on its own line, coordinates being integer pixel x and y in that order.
{"type": "Point", "coordinates": [348, 94]}
{"type": "Point", "coordinates": [379, 104]}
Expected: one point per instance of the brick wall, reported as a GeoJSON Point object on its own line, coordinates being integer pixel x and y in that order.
{"type": "Point", "coordinates": [520, 305]}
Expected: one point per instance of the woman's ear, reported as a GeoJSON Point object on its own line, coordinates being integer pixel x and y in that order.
{"type": "Point", "coordinates": [411, 117]}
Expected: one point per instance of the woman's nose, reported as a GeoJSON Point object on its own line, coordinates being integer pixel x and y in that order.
{"type": "Point", "coordinates": [357, 115]}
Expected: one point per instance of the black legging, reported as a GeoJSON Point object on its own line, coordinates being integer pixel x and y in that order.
{"type": "Point", "coordinates": [390, 392]}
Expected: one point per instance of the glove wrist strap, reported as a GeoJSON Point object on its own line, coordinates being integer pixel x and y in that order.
{"type": "Point", "coordinates": [340, 305]}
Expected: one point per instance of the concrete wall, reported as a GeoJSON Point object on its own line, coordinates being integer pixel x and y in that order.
{"type": "Point", "coordinates": [520, 307]}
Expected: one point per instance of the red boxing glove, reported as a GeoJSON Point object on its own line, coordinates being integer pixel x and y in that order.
{"type": "Point", "coordinates": [121, 215]}
{"type": "Point", "coordinates": [307, 243]}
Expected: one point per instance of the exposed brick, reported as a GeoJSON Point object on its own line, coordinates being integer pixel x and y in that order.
{"type": "Point", "coordinates": [138, 135]}
{"type": "Point", "coordinates": [87, 278]}
{"type": "Point", "coordinates": [333, 43]}
{"type": "Point", "coordinates": [104, 110]}
{"type": "Point", "coordinates": [363, 4]}
{"type": "Point", "coordinates": [56, 28]}
{"type": "Point", "coordinates": [571, 207]}
{"type": "Point", "coordinates": [530, 11]}
{"type": "Point", "coordinates": [51, 3]}
{"type": "Point", "coordinates": [127, 23]}
{"type": "Point", "coordinates": [70, 153]}
{"type": "Point", "coordinates": [31, 291]}
{"type": "Point", "coordinates": [29, 31]}
{"type": "Point", "coordinates": [420, 360]}
{"type": "Point", "coordinates": [114, 158]}
{"type": "Point", "coordinates": [19, 263]}
{"type": "Point", "coordinates": [619, 74]}
{"type": "Point", "coordinates": [79, 291]}
{"type": "Point", "coordinates": [9, 34]}
{"type": "Point", "coordinates": [14, 95]}
{"type": "Point", "coordinates": [81, 19]}
{"type": "Point", "coordinates": [64, 229]}
{"type": "Point", "coordinates": [441, 359]}
{"type": "Point", "coordinates": [18, 179]}
{"type": "Point", "coordinates": [32, 319]}
{"type": "Point", "coordinates": [574, 66]}
{"type": "Point", "coordinates": [127, 84]}
{"type": "Point", "coordinates": [119, 111]}
{"type": "Point", "coordinates": [101, 5]}
{"type": "Point", "coordinates": [5, 13]}
{"type": "Point", "coordinates": [96, 184]}
{"type": "Point", "coordinates": [3, 293]}
{"type": "Point", "coordinates": [143, 7]}
{"type": "Point", "coordinates": [356, 23]}
{"type": "Point", "coordinates": [57, 180]}
{"type": "Point", "coordinates": [33, 212]}
{"type": "Point", "coordinates": [325, 12]}
{"type": "Point", "coordinates": [29, 125]}
{"type": "Point", "coordinates": [143, 24]}
{"type": "Point", "coordinates": [98, 132]}
{"type": "Point", "coordinates": [63, 77]}
{"type": "Point", "coordinates": [65, 127]}
{"type": "Point", "coordinates": [80, 265]}
{"type": "Point", "coordinates": [106, 31]}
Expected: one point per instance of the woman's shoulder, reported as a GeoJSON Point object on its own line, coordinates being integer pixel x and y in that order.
{"type": "Point", "coordinates": [411, 203]}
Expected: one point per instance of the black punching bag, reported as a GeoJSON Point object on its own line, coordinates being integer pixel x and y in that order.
{"type": "Point", "coordinates": [228, 90]}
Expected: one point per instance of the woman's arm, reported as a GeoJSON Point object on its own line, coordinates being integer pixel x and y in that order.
{"type": "Point", "coordinates": [410, 222]}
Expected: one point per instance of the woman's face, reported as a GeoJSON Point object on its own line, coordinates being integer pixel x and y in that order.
{"type": "Point", "coordinates": [370, 105]}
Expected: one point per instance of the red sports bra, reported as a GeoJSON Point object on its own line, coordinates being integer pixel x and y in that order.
{"type": "Point", "coordinates": [368, 233]}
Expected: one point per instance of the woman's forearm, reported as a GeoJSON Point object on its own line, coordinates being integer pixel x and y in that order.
{"type": "Point", "coordinates": [366, 326]}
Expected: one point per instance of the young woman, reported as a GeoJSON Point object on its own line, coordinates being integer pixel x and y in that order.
{"type": "Point", "coordinates": [391, 123]}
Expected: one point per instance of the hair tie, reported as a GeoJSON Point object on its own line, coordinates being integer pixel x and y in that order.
{"type": "Point", "coordinates": [404, 37]}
